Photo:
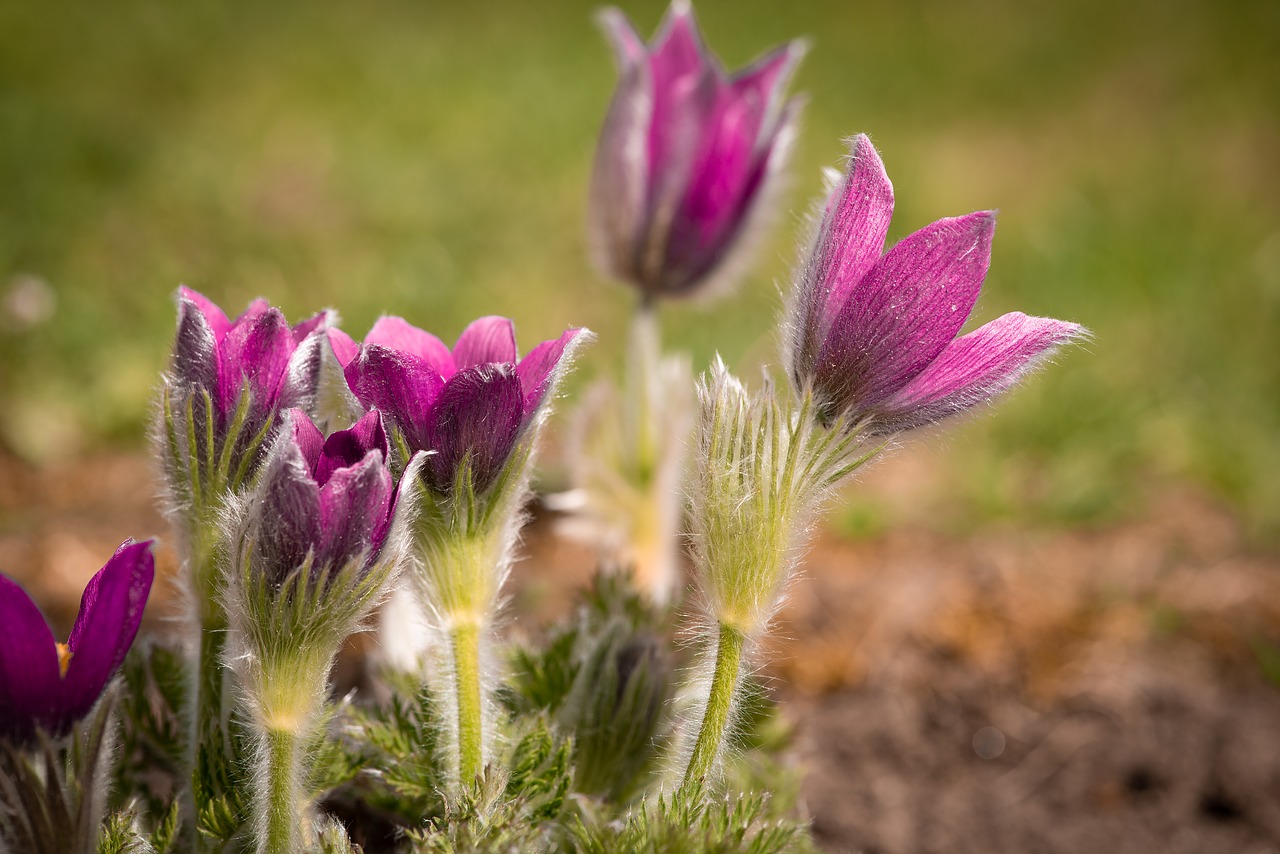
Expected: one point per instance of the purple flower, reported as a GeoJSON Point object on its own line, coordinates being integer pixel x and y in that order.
{"type": "Point", "coordinates": [258, 350]}
{"type": "Point", "coordinates": [875, 334]}
{"type": "Point", "coordinates": [330, 499]}
{"type": "Point", "coordinates": [687, 154]}
{"type": "Point", "coordinates": [472, 403]}
{"type": "Point", "coordinates": [51, 685]}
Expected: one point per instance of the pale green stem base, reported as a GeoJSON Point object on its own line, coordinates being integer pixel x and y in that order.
{"type": "Point", "coordinates": [465, 639]}
{"type": "Point", "coordinates": [276, 798]}
{"type": "Point", "coordinates": [715, 719]}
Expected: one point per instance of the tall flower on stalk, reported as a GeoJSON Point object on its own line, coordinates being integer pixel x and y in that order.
{"type": "Point", "coordinates": [688, 155]}
{"type": "Point", "coordinates": [874, 335]}
{"type": "Point", "coordinates": [478, 409]}
{"type": "Point", "coordinates": [48, 685]}
{"type": "Point", "coordinates": [315, 547]}
{"type": "Point", "coordinates": [228, 380]}
{"type": "Point", "coordinates": [686, 173]}
{"type": "Point", "coordinates": [872, 350]}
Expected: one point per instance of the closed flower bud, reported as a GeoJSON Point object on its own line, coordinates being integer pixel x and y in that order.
{"type": "Point", "coordinates": [688, 156]}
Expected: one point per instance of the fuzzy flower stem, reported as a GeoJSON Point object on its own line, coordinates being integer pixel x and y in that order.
{"type": "Point", "coordinates": [278, 814]}
{"type": "Point", "coordinates": [715, 718]}
{"type": "Point", "coordinates": [465, 640]}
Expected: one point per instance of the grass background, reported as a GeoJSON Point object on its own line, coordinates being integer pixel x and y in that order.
{"type": "Point", "coordinates": [431, 160]}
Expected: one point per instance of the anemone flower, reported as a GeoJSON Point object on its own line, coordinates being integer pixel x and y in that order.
{"type": "Point", "coordinates": [874, 335]}
{"type": "Point", "coordinates": [687, 156]}
{"type": "Point", "coordinates": [49, 685]}
{"type": "Point", "coordinates": [472, 403]}
{"type": "Point", "coordinates": [327, 500]}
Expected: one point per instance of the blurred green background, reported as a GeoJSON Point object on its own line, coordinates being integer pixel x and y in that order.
{"type": "Point", "coordinates": [431, 159]}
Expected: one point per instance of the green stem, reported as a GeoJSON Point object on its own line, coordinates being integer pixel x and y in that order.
{"type": "Point", "coordinates": [465, 638]}
{"type": "Point", "coordinates": [276, 797]}
{"type": "Point", "coordinates": [715, 719]}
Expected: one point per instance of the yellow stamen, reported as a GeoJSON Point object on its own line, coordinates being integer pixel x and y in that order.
{"type": "Point", "coordinates": [64, 659]}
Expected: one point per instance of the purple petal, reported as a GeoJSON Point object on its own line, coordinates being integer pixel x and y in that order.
{"type": "Point", "coordinates": [478, 416]}
{"type": "Point", "coordinates": [354, 504]}
{"type": "Point", "coordinates": [214, 316]}
{"type": "Point", "coordinates": [308, 438]}
{"type": "Point", "coordinates": [287, 522]}
{"type": "Point", "coordinates": [257, 348]}
{"type": "Point", "coordinates": [975, 368]}
{"type": "Point", "coordinates": [404, 387]}
{"type": "Point", "coordinates": [619, 181]}
{"type": "Point", "coordinates": [487, 340]}
{"type": "Point", "coordinates": [677, 49]}
{"type": "Point", "coordinates": [306, 327]}
{"type": "Point", "coordinates": [30, 685]}
{"type": "Point", "coordinates": [344, 346]}
{"type": "Point", "coordinates": [724, 174]}
{"type": "Point", "coordinates": [349, 447]}
{"type": "Point", "coordinates": [395, 333]}
{"type": "Point", "coordinates": [538, 367]}
{"type": "Point", "coordinates": [195, 348]}
{"type": "Point", "coordinates": [628, 48]}
{"type": "Point", "coordinates": [850, 242]}
{"type": "Point", "coordinates": [904, 311]}
{"type": "Point", "coordinates": [765, 78]}
{"type": "Point", "coordinates": [110, 613]}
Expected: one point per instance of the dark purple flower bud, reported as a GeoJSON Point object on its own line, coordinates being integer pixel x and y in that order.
{"type": "Point", "coordinates": [330, 499]}
{"type": "Point", "coordinates": [874, 334]}
{"type": "Point", "coordinates": [50, 685]}
{"type": "Point", "coordinates": [472, 403]}
{"type": "Point", "coordinates": [687, 154]}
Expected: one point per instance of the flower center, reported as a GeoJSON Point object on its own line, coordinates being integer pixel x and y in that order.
{"type": "Point", "coordinates": [64, 659]}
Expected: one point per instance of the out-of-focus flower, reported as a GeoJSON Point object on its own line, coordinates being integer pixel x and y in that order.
{"type": "Point", "coordinates": [874, 335]}
{"type": "Point", "coordinates": [687, 157]}
{"type": "Point", "coordinates": [49, 685]}
{"type": "Point", "coordinates": [328, 501]}
{"type": "Point", "coordinates": [470, 404]}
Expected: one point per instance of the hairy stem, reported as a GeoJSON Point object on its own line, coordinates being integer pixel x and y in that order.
{"type": "Point", "coordinates": [276, 801]}
{"type": "Point", "coordinates": [465, 639]}
{"type": "Point", "coordinates": [715, 718]}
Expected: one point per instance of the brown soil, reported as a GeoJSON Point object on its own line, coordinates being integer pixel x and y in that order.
{"type": "Point", "coordinates": [1012, 690]}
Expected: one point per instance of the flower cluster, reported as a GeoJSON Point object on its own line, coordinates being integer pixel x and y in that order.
{"type": "Point", "coordinates": [311, 477]}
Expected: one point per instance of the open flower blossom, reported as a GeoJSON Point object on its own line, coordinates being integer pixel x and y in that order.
{"type": "Point", "coordinates": [874, 334]}
{"type": "Point", "coordinates": [687, 154]}
{"type": "Point", "coordinates": [49, 685]}
{"type": "Point", "coordinates": [329, 500]}
{"type": "Point", "coordinates": [472, 403]}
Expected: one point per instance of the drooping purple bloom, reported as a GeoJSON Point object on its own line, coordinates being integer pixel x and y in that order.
{"type": "Point", "coordinates": [329, 498]}
{"type": "Point", "coordinates": [50, 685]}
{"type": "Point", "coordinates": [875, 334]}
{"type": "Point", "coordinates": [687, 154]}
{"type": "Point", "coordinates": [472, 403]}
{"type": "Point", "coordinates": [278, 363]}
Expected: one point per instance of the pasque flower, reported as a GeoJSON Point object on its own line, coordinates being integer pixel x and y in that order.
{"type": "Point", "coordinates": [874, 335]}
{"type": "Point", "coordinates": [687, 155]}
{"type": "Point", "coordinates": [326, 501]}
{"type": "Point", "coordinates": [476, 410]}
{"type": "Point", "coordinates": [472, 403]}
{"type": "Point", "coordinates": [316, 545]}
{"type": "Point", "coordinates": [49, 685]}
{"type": "Point", "coordinates": [258, 356]}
